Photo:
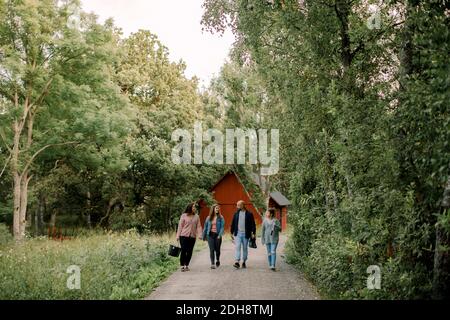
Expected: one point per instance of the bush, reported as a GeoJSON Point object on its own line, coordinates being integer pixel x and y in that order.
{"type": "Point", "coordinates": [380, 228]}
{"type": "Point", "coordinates": [330, 265]}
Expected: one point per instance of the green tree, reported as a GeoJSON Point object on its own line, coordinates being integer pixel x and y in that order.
{"type": "Point", "coordinates": [357, 185]}
{"type": "Point", "coordinates": [56, 78]}
{"type": "Point", "coordinates": [163, 99]}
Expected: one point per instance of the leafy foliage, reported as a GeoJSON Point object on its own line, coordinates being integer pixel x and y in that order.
{"type": "Point", "coordinates": [364, 129]}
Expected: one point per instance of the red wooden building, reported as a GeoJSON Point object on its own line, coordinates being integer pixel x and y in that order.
{"type": "Point", "coordinates": [280, 203]}
{"type": "Point", "coordinates": [229, 190]}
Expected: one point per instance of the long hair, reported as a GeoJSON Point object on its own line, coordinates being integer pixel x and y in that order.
{"type": "Point", "coordinates": [272, 213]}
{"type": "Point", "coordinates": [188, 209]}
{"type": "Point", "coordinates": [212, 212]}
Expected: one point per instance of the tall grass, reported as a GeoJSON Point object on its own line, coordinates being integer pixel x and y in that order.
{"type": "Point", "coordinates": [112, 266]}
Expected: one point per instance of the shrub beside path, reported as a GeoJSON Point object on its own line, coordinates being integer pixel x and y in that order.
{"type": "Point", "coordinates": [257, 282]}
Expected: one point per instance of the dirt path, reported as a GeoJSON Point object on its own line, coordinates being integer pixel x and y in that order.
{"type": "Point", "coordinates": [257, 282]}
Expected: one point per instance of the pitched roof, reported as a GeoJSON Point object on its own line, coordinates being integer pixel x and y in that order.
{"type": "Point", "coordinates": [279, 199]}
{"type": "Point", "coordinates": [276, 195]}
{"type": "Point", "coordinates": [232, 172]}
{"type": "Point", "coordinates": [222, 178]}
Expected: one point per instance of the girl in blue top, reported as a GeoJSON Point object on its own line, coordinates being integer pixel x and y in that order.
{"type": "Point", "coordinates": [213, 232]}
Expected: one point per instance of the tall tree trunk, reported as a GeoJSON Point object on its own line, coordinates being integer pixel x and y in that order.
{"type": "Point", "coordinates": [23, 202]}
{"type": "Point", "coordinates": [25, 177]}
{"type": "Point", "coordinates": [104, 221]}
{"type": "Point", "coordinates": [16, 213]}
{"type": "Point", "coordinates": [20, 179]}
{"type": "Point", "coordinates": [16, 181]}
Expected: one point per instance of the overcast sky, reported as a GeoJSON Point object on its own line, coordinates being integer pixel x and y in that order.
{"type": "Point", "coordinates": [177, 24]}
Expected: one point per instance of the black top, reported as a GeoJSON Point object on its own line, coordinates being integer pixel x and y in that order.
{"type": "Point", "coordinates": [250, 225]}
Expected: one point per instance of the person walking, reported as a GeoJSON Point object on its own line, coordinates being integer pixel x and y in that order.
{"type": "Point", "coordinates": [189, 228]}
{"type": "Point", "coordinates": [243, 228]}
{"type": "Point", "coordinates": [213, 232]}
{"type": "Point", "coordinates": [271, 228]}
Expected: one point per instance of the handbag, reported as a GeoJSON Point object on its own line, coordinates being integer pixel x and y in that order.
{"type": "Point", "coordinates": [252, 243]}
{"type": "Point", "coordinates": [174, 251]}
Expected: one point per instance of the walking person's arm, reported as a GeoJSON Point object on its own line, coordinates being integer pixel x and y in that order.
{"type": "Point", "coordinates": [180, 227]}
{"type": "Point", "coordinates": [222, 228]}
{"type": "Point", "coordinates": [199, 228]}
{"type": "Point", "coordinates": [204, 229]}
{"type": "Point", "coordinates": [233, 227]}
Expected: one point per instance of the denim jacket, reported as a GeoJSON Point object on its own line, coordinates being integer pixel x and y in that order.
{"type": "Point", "coordinates": [220, 225]}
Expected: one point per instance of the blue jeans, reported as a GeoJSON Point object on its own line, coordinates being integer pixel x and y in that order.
{"type": "Point", "coordinates": [241, 241]}
{"type": "Point", "coordinates": [272, 253]}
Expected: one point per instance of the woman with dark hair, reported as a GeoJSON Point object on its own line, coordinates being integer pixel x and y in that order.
{"type": "Point", "coordinates": [213, 231]}
{"type": "Point", "coordinates": [189, 228]}
{"type": "Point", "coordinates": [270, 236]}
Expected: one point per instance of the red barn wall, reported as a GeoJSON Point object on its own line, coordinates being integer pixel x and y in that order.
{"type": "Point", "coordinates": [283, 218]}
{"type": "Point", "coordinates": [227, 193]}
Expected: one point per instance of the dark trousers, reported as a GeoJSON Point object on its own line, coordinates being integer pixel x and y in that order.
{"type": "Point", "coordinates": [214, 246]}
{"type": "Point", "coordinates": [187, 246]}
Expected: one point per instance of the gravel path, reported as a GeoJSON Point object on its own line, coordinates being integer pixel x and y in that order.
{"type": "Point", "coordinates": [257, 282]}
